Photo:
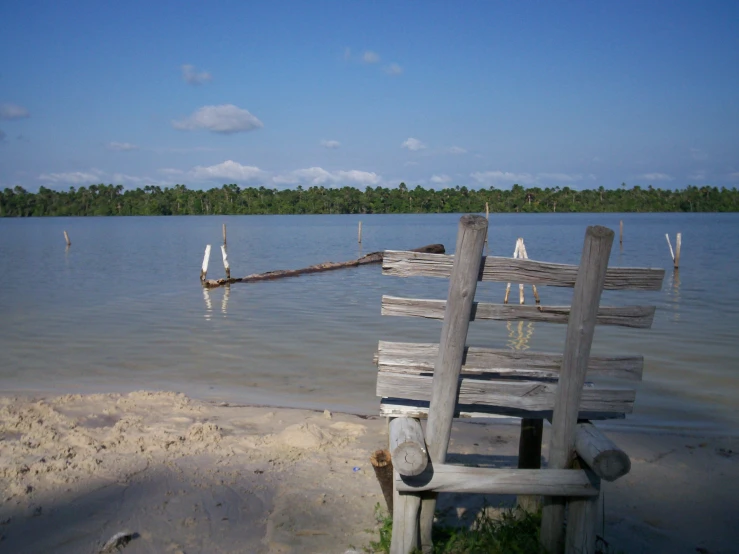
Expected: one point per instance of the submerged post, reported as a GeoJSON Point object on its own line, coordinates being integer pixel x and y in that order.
{"type": "Point", "coordinates": [225, 261]}
{"type": "Point", "coordinates": [621, 232]}
{"type": "Point", "coordinates": [580, 329]}
{"type": "Point", "coordinates": [678, 244]}
{"type": "Point", "coordinates": [359, 233]}
{"type": "Point", "coordinates": [204, 270]}
{"type": "Point", "coordinates": [66, 238]}
{"type": "Point", "coordinates": [224, 234]}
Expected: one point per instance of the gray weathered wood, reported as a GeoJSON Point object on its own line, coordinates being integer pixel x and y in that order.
{"type": "Point", "coordinates": [639, 317]}
{"type": "Point", "coordinates": [524, 395]}
{"type": "Point", "coordinates": [397, 407]}
{"type": "Point", "coordinates": [462, 286]}
{"type": "Point", "coordinates": [409, 357]}
{"type": "Point", "coordinates": [529, 457]}
{"type": "Point", "coordinates": [453, 478]}
{"type": "Point", "coordinates": [582, 522]}
{"type": "Point", "coordinates": [591, 277]}
{"type": "Point", "coordinates": [405, 522]}
{"type": "Point", "coordinates": [600, 453]}
{"type": "Point", "coordinates": [407, 446]}
{"type": "Point", "coordinates": [406, 264]}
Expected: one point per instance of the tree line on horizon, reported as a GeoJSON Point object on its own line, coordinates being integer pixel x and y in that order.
{"type": "Point", "coordinates": [106, 200]}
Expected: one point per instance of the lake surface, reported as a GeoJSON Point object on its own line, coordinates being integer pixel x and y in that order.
{"type": "Point", "coordinates": [122, 309]}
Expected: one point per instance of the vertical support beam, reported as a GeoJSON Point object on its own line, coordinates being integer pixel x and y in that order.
{"type": "Point", "coordinates": [678, 244]}
{"type": "Point", "coordinates": [359, 233]}
{"type": "Point", "coordinates": [582, 522]}
{"type": "Point", "coordinates": [224, 234]}
{"type": "Point", "coordinates": [225, 261]}
{"type": "Point", "coordinates": [204, 270]}
{"type": "Point", "coordinates": [586, 298]}
{"type": "Point", "coordinates": [621, 232]}
{"type": "Point", "coordinates": [66, 238]}
{"type": "Point", "coordinates": [405, 522]}
{"type": "Point", "coordinates": [529, 457]}
{"type": "Point", "coordinates": [672, 254]}
{"type": "Point", "coordinates": [462, 287]}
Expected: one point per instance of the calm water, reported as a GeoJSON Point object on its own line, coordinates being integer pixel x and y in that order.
{"type": "Point", "coordinates": [123, 309]}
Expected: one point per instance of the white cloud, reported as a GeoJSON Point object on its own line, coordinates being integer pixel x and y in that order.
{"type": "Point", "coordinates": [698, 176]}
{"type": "Point", "coordinates": [370, 57]}
{"type": "Point", "coordinates": [656, 177]}
{"type": "Point", "coordinates": [457, 150]}
{"type": "Point", "coordinates": [561, 177]}
{"type": "Point", "coordinates": [441, 179]}
{"type": "Point", "coordinates": [698, 154]}
{"type": "Point", "coordinates": [393, 69]}
{"type": "Point", "coordinates": [121, 146]}
{"type": "Point", "coordinates": [227, 170]}
{"type": "Point", "coordinates": [413, 144]}
{"type": "Point", "coordinates": [192, 77]}
{"type": "Point", "coordinates": [734, 176]}
{"type": "Point", "coordinates": [503, 177]}
{"type": "Point", "coordinates": [74, 177]}
{"type": "Point", "coordinates": [224, 119]}
{"type": "Point", "coordinates": [317, 176]}
{"type": "Point", "coordinates": [13, 111]}
{"type": "Point", "coordinates": [330, 144]}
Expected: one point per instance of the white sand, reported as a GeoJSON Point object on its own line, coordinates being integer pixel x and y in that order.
{"type": "Point", "coordinates": [190, 476]}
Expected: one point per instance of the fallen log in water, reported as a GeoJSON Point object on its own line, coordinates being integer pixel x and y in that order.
{"type": "Point", "coordinates": [372, 258]}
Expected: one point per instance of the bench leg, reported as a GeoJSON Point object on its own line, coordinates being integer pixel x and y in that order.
{"type": "Point", "coordinates": [529, 457]}
{"type": "Point", "coordinates": [582, 524]}
{"type": "Point", "coordinates": [428, 508]}
{"type": "Point", "coordinates": [405, 522]}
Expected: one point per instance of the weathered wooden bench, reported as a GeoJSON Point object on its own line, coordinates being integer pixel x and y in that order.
{"type": "Point", "coordinates": [450, 379]}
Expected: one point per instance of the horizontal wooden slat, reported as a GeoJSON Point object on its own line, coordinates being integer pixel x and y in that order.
{"type": "Point", "coordinates": [523, 395]}
{"type": "Point", "coordinates": [640, 317]}
{"type": "Point", "coordinates": [452, 478]}
{"type": "Point", "coordinates": [397, 407]}
{"type": "Point", "coordinates": [409, 357]}
{"type": "Point", "coordinates": [510, 270]}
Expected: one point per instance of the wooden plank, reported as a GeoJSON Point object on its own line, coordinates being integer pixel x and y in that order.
{"type": "Point", "coordinates": [401, 407]}
{"type": "Point", "coordinates": [533, 396]}
{"type": "Point", "coordinates": [405, 522]}
{"type": "Point", "coordinates": [409, 357]}
{"type": "Point", "coordinates": [407, 264]}
{"type": "Point", "coordinates": [600, 453]}
{"type": "Point", "coordinates": [485, 480]}
{"type": "Point", "coordinates": [639, 317]}
{"type": "Point", "coordinates": [569, 394]}
{"type": "Point", "coordinates": [407, 446]}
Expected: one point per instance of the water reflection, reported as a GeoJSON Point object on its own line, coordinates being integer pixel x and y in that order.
{"type": "Point", "coordinates": [519, 334]}
{"type": "Point", "coordinates": [673, 293]}
{"type": "Point", "coordinates": [208, 304]}
{"type": "Point", "coordinates": [224, 301]}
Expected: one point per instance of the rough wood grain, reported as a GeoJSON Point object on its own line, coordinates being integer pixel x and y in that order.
{"type": "Point", "coordinates": [600, 453]}
{"type": "Point", "coordinates": [372, 258]}
{"type": "Point", "coordinates": [204, 269]}
{"type": "Point", "coordinates": [640, 317]}
{"type": "Point", "coordinates": [407, 446]}
{"type": "Point", "coordinates": [405, 264]}
{"type": "Point", "coordinates": [409, 357]}
{"type": "Point", "coordinates": [405, 522]}
{"type": "Point", "coordinates": [591, 277]}
{"type": "Point", "coordinates": [462, 479]}
{"type": "Point", "coordinates": [582, 522]}
{"type": "Point", "coordinates": [535, 396]}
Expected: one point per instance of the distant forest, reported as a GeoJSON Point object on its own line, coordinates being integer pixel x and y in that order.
{"type": "Point", "coordinates": [97, 200]}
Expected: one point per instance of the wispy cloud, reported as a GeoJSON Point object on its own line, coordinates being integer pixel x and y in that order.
{"type": "Point", "coordinates": [74, 177]}
{"type": "Point", "coordinates": [393, 69]}
{"type": "Point", "coordinates": [734, 176]}
{"type": "Point", "coordinates": [224, 119]}
{"type": "Point", "coordinates": [13, 111]}
{"type": "Point", "coordinates": [560, 177]}
{"type": "Point", "coordinates": [317, 176]}
{"type": "Point", "coordinates": [656, 177]}
{"type": "Point", "coordinates": [121, 146]}
{"type": "Point", "coordinates": [192, 77]}
{"type": "Point", "coordinates": [330, 144]}
{"type": "Point", "coordinates": [456, 150]}
{"type": "Point", "coordinates": [441, 179]}
{"type": "Point", "coordinates": [413, 144]}
{"type": "Point", "coordinates": [370, 57]}
{"type": "Point", "coordinates": [503, 178]}
{"type": "Point", "coordinates": [230, 170]}
{"type": "Point", "coordinates": [171, 171]}
{"type": "Point", "coordinates": [698, 154]}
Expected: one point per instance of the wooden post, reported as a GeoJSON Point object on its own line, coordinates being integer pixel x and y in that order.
{"type": "Point", "coordinates": [533, 286]}
{"type": "Point", "coordinates": [508, 286]}
{"type": "Point", "coordinates": [225, 259]}
{"type": "Point", "coordinates": [462, 287]}
{"type": "Point", "coordinates": [405, 522]}
{"type": "Point", "coordinates": [672, 254]}
{"type": "Point", "coordinates": [621, 232]}
{"type": "Point", "coordinates": [678, 244]}
{"type": "Point", "coordinates": [600, 454]}
{"type": "Point", "coordinates": [224, 234]}
{"type": "Point", "coordinates": [407, 446]}
{"type": "Point", "coordinates": [582, 522]}
{"type": "Point", "coordinates": [204, 270]}
{"type": "Point", "coordinates": [529, 457]}
{"type": "Point", "coordinates": [580, 329]}
{"type": "Point", "coordinates": [382, 463]}
{"type": "Point", "coordinates": [359, 233]}
{"type": "Point", "coordinates": [487, 217]}
{"type": "Point", "coordinates": [66, 238]}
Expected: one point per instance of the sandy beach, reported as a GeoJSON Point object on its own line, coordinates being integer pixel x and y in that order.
{"type": "Point", "coordinates": [187, 476]}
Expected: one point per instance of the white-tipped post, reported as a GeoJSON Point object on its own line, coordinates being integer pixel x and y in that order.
{"type": "Point", "coordinates": [359, 233]}
{"type": "Point", "coordinates": [66, 238]}
{"type": "Point", "coordinates": [204, 270]}
{"type": "Point", "coordinates": [225, 261]}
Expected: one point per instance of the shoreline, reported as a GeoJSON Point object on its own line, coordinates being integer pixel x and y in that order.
{"type": "Point", "coordinates": [192, 475]}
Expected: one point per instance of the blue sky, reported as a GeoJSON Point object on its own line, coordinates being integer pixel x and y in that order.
{"type": "Point", "coordinates": [280, 94]}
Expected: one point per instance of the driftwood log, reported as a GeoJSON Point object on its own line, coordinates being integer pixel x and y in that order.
{"type": "Point", "coordinates": [372, 258]}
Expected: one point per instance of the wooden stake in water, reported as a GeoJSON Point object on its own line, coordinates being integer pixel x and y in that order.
{"type": "Point", "coordinates": [487, 216]}
{"type": "Point", "coordinates": [225, 261]}
{"type": "Point", "coordinates": [678, 244]}
{"type": "Point", "coordinates": [508, 286]}
{"type": "Point", "coordinates": [672, 254]}
{"type": "Point", "coordinates": [66, 237]}
{"type": "Point", "coordinates": [621, 232]}
{"type": "Point", "coordinates": [224, 234]}
{"type": "Point", "coordinates": [359, 233]}
{"type": "Point", "coordinates": [204, 270]}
